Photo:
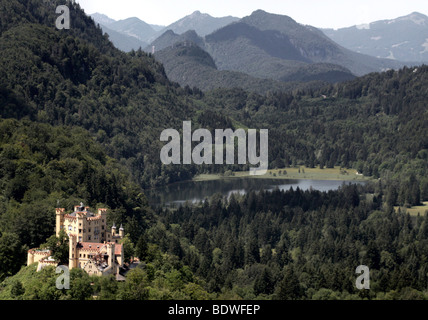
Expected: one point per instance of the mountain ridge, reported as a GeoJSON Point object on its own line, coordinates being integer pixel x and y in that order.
{"type": "Point", "coordinates": [296, 43]}
{"type": "Point", "coordinates": [189, 65]}
{"type": "Point", "coordinates": [404, 38]}
{"type": "Point", "coordinates": [202, 23]}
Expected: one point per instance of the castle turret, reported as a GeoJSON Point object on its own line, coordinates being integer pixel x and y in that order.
{"type": "Point", "coordinates": [113, 230]}
{"type": "Point", "coordinates": [72, 255]}
{"type": "Point", "coordinates": [121, 231]}
{"type": "Point", "coordinates": [60, 213]}
{"type": "Point", "coordinates": [30, 257]}
{"type": "Point", "coordinates": [110, 253]}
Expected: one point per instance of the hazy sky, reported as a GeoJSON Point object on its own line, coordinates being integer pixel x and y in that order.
{"type": "Point", "coordinates": [318, 13]}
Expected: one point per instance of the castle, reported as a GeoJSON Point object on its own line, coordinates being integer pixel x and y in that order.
{"type": "Point", "coordinates": [92, 247]}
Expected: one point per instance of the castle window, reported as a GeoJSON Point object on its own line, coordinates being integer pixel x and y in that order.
{"type": "Point", "coordinates": [89, 237]}
{"type": "Point", "coordinates": [80, 230]}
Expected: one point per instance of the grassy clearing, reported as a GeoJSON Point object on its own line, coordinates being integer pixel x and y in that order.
{"type": "Point", "coordinates": [293, 173]}
{"type": "Point", "coordinates": [413, 211]}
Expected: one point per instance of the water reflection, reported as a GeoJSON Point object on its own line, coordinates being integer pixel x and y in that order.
{"type": "Point", "coordinates": [194, 192]}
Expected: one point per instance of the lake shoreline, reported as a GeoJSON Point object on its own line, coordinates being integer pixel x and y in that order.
{"type": "Point", "coordinates": [297, 173]}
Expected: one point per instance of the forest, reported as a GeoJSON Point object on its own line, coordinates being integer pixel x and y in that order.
{"type": "Point", "coordinates": [281, 245]}
{"type": "Point", "coordinates": [81, 121]}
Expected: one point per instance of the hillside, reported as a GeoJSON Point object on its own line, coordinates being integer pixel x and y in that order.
{"type": "Point", "coordinates": [45, 166]}
{"type": "Point", "coordinates": [81, 121]}
{"type": "Point", "coordinates": [273, 47]}
{"type": "Point", "coordinates": [253, 42]}
{"type": "Point", "coordinates": [265, 54]}
{"type": "Point", "coordinates": [376, 124]}
{"type": "Point", "coordinates": [181, 284]}
{"type": "Point", "coordinates": [170, 38]}
{"type": "Point", "coordinates": [102, 19]}
{"type": "Point", "coordinates": [128, 34]}
{"type": "Point", "coordinates": [404, 38]}
{"type": "Point", "coordinates": [122, 41]}
{"type": "Point", "coordinates": [187, 64]}
{"type": "Point", "coordinates": [125, 101]}
{"type": "Point", "coordinates": [133, 27]}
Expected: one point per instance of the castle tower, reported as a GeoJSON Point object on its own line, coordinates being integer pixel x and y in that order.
{"type": "Point", "coordinates": [30, 258]}
{"type": "Point", "coordinates": [121, 232]}
{"type": "Point", "coordinates": [113, 230]}
{"type": "Point", "coordinates": [60, 213]}
{"type": "Point", "coordinates": [110, 253]}
{"type": "Point", "coordinates": [72, 255]}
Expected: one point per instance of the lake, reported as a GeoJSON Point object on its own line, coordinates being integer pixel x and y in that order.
{"type": "Point", "coordinates": [196, 191]}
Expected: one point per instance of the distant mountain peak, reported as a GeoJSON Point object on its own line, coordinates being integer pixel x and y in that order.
{"type": "Point", "coordinates": [169, 32]}
{"type": "Point", "coordinates": [415, 17]}
{"type": "Point", "coordinates": [260, 12]}
{"type": "Point", "coordinates": [403, 38]}
{"type": "Point", "coordinates": [102, 18]}
{"type": "Point", "coordinates": [198, 13]}
{"type": "Point", "coordinates": [260, 17]}
{"type": "Point", "coordinates": [202, 23]}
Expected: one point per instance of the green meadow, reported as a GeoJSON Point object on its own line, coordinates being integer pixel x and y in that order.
{"type": "Point", "coordinates": [302, 172]}
{"type": "Point", "coordinates": [414, 211]}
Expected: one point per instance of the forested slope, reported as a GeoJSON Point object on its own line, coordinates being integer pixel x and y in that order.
{"type": "Point", "coordinates": [81, 121]}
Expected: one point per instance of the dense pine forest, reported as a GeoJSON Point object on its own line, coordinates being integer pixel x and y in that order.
{"type": "Point", "coordinates": [81, 121]}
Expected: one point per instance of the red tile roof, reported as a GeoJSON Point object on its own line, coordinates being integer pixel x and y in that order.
{"type": "Point", "coordinates": [118, 249]}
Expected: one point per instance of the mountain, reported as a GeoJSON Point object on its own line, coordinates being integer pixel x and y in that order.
{"type": "Point", "coordinates": [78, 78]}
{"type": "Point", "coordinates": [202, 23]}
{"type": "Point", "coordinates": [169, 38]}
{"type": "Point", "coordinates": [121, 36]}
{"type": "Point", "coordinates": [122, 41]}
{"type": "Point", "coordinates": [79, 118]}
{"type": "Point", "coordinates": [271, 45]}
{"type": "Point", "coordinates": [404, 38]}
{"type": "Point", "coordinates": [134, 27]}
{"type": "Point", "coordinates": [246, 51]}
{"type": "Point", "coordinates": [189, 65]}
{"type": "Point", "coordinates": [128, 34]}
{"type": "Point", "coordinates": [102, 18]}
